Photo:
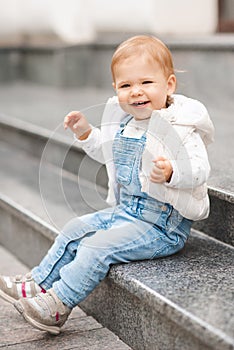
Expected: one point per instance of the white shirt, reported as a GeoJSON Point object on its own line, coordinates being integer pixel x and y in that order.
{"type": "Point", "coordinates": [136, 128]}
{"type": "Point", "coordinates": [180, 133]}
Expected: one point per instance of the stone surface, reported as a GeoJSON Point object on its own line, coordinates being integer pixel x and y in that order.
{"type": "Point", "coordinates": [191, 289]}
{"type": "Point", "coordinates": [188, 297]}
{"type": "Point", "coordinates": [220, 223]}
{"type": "Point", "coordinates": [80, 331]}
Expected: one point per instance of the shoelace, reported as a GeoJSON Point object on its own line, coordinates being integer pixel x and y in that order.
{"type": "Point", "coordinates": [50, 302]}
{"type": "Point", "coordinates": [22, 278]}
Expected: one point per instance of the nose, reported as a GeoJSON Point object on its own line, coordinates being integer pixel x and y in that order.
{"type": "Point", "coordinates": [136, 90]}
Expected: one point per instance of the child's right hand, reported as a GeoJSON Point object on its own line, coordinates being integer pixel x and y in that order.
{"type": "Point", "coordinates": [78, 124]}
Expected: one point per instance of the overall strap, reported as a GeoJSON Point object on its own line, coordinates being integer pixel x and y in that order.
{"type": "Point", "coordinates": [125, 121]}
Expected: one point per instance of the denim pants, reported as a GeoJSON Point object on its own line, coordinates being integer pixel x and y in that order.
{"type": "Point", "coordinates": [138, 228]}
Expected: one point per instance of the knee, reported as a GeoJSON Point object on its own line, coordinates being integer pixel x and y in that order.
{"type": "Point", "coordinates": [96, 242]}
{"type": "Point", "coordinates": [76, 229]}
{"type": "Point", "coordinates": [89, 250]}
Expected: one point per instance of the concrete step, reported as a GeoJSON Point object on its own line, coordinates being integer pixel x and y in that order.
{"type": "Point", "coordinates": [60, 151]}
{"type": "Point", "coordinates": [81, 330]}
{"type": "Point", "coordinates": [87, 64]}
{"type": "Point", "coordinates": [180, 302]}
{"type": "Point", "coordinates": [184, 301]}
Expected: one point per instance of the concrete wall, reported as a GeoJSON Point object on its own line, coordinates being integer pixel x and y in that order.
{"type": "Point", "coordinates": [80, 20]}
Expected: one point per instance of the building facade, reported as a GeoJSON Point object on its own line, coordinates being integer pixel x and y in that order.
{"type": "Point", "coordinates": [76, 21]}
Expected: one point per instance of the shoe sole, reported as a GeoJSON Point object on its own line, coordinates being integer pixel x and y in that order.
{"type": "Point", "coordinates": [7, 297]}
{"type": "Point", "coordinates": [42, 327]}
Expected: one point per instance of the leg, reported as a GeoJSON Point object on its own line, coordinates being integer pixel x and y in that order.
{"type": "Point", "coordinates": [66, 244]}
{"type": "Point", "coordinates": [127, 240]}
{"type": "Point", "coordinates": [61, 253]}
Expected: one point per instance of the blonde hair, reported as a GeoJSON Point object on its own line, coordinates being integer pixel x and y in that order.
{"type": "Point", "coordinates": [149, 46]}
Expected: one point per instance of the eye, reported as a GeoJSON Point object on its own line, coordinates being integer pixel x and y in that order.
{"type": "Point", "coordinates": [147, 82]}
{"type": "Point", "coordinates": [125, 86]}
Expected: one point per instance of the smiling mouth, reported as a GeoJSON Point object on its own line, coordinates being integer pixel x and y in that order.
{"type": "Point", "coordinates": [140, 103]}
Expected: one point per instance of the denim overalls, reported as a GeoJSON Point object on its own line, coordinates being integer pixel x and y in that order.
{"type": "Point", "coordinates": [139, 228]}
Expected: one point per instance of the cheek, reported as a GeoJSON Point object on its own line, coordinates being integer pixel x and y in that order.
{"type": "Point", "coordinates": [123, 100]}
{"type": "Point", "coordinates": [124, 106]}
{"type": "Point", "coordinates": [159, 100]}
{"type": "Point", "coordinates": [121, 96]}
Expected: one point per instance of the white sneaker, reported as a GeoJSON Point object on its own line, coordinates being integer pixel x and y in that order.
{"type": "Point", "coordinates": [14, 288]}
{"type": "Point", "coordinates": [45, 311]}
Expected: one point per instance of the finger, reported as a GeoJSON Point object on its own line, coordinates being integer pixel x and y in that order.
{"type": "Point", "coordinates": [157, 179]}
{"type": "Point", "coordinates": [156, 175]}
{"type": "Point", "coordinates": [76, 125]}
{"type": "Point", "coordinates": [73, 113]}
{"type": "Point", "coordinates": [66, 123]}
{"type": "Point", "coordinates": [67, 120]}
{"type": "Point", "coordinates": [71, 118]}
{"type": "Point", "coordinates": [158, 168]}
{"type": "Point", "coordinates": [160, 158]}
{"type": "Point", "coordinates": [159, 164]}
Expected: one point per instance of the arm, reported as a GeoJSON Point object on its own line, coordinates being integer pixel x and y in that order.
{"type": "Point", "coordinates": [97, 143]}
{"type": "Point", "coordinates": [191, 168]}
{"type": "Point", "coordinates": [185, 162]}
{"type": "Point", "coordinates": [189, 171]}
{"type": "Point", "coordinates": [78, 124]}
{"type": "Point", "coordinates": [162, 170]}
{"type": "Point", "coordinates": [88, 137]}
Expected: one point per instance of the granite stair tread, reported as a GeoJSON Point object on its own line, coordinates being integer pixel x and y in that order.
{"type": "Point", "coordinates": [193, 289]}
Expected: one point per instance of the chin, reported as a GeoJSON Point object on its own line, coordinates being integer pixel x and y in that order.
{"type": "Point", "coordinates": [142, 114]}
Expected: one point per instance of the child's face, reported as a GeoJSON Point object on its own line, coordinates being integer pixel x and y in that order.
{"type": "Point", "coordinates": [141, 86]}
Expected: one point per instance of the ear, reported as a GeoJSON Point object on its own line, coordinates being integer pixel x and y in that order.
{"type": "Point", "coordinates": [171, 84]}
{"type": "Point", "coordinates": [114, 86]}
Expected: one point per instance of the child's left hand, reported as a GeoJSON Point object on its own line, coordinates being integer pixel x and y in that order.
{"type": "Point", "coordinates": [162, 170]}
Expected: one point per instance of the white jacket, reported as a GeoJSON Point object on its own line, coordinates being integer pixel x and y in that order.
{"type": "Point", "coordinates": [180, 133]}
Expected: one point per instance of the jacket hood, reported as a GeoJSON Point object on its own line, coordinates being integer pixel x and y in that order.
{"type": "Point", "coordinates": [183, 111]}
{"type": "Point", "coordinates": [187, 111]}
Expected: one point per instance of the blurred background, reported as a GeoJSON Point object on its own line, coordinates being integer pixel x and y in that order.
{"type": "Point", "coordinates": [75, 21]}
{"type": "Point", "coordinates": [55, 57]}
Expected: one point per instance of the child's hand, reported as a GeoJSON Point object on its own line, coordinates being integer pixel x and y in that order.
{"type": "Point", "coordinates": [162, 170]}
{"type": "Point", "coordinates": [79, 125]}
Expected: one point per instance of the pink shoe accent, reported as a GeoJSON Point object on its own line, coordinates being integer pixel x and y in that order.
{"type": "Point", "coordinates": [57, 316]}
{"type": "Point", "coordinates": [23, 290]}
{"type": "Point", "coordinates": [43, 290]}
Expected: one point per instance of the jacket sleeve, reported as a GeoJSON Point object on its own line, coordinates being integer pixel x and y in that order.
{"type": "Point", "coordinates": [93, 145]}
{"type": "Point", "coordinates": [99, 143]}
{"type": "Point", "coordinates": [191, 167]}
